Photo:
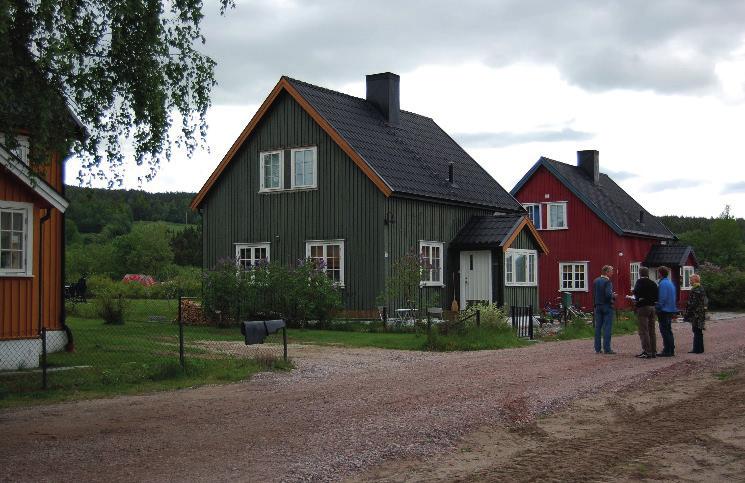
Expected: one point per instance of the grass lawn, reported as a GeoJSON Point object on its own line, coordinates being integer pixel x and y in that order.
{"type": "Point", "coordinates": [135, 357]}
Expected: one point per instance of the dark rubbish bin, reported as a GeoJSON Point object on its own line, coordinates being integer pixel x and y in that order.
{"type": "Point", "coordinates": [255, 331]}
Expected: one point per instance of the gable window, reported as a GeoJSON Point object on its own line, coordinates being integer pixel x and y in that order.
{"type": "Point", "coordinates": [573, 276]}
{"type": "Point", "coordinates": [270, 170]}
{"type": "Point", "coordinates": [16, 224]}
{"type": "Point", "coordinates": [634, 270]}
{"type": "Point", "coordinates": [685, 277]}
{"type": "Point", "coordinates": [431, 257]}
{"type": "Point", "coordinates": [329, 255]}
{"type": "Point", "coordinates": [520, 267]}
{"type": "Point", "coordinates": [21, 149]}
{"type": "Point", "coordinates": [248, 255]}
{"type": "Point", "coordinates": [534, 213]}
{"type": "Point", "coordinates": [304, 168]}
{"type": "Point", "coordinates": [556, 216]}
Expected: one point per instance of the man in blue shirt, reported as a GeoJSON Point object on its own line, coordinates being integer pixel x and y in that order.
{"type": "Point", "coordinates": [603, 296]}
{"type": "Point", "coordinates": [666, 309]}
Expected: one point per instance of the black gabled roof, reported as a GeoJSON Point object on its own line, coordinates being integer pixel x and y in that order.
{"type": "Point", "coordinates": [412, 158]}
{"type": "Point", "coordinates": [487, 230]}
{"type": "Point", "coordinates": [608, 200]}
{"type": "Point", "coordinates": [669, 255]}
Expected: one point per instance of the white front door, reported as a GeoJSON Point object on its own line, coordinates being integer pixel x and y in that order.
{"type": "Point", "coordinates": [475, 277]}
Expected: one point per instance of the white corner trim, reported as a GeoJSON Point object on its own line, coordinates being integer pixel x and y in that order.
{"type": "Point", "coordinates": [38, 185]}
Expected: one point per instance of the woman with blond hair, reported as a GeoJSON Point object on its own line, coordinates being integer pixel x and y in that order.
{"type": "Point", "coordinates": [696, 313]}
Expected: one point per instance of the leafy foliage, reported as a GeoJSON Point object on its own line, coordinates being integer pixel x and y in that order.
{"type": "Point", "coordinates": [130, 68]}
{"type": "Point", "coordinates": [403, 285]}
{"type": "Point", "coordinates": [269, 291]}
{"type": "Point", "coordinates": [492, 315]}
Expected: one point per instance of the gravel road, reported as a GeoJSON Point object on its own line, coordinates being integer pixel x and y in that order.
{"type": "Point", "coordinates": [342, 411]}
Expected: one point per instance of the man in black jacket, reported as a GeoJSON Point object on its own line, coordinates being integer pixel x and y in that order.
{"type": "Point", "coordinates": [645, 296]}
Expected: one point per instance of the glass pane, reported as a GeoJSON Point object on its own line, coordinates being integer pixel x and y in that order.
{"type": "Point", "coordinates": [5, 240]}
{"type": "Point", "coordinates": [333, 251]}
{"type": "Point", "coordinates": [16, 241]}
{"type": "Point", "coordinates": [4, 259]}
{"type": "Point", "coordinates": [5, 220]}
{"type": "Point", "coordinates": [316, 251]}
{"type": "Point", "coordinates": [18, 221]}
{"type": "Point", "coordinates": [531, 268]}
{"type": "Point", "coordinates": [520, 268]}
{"type": "Point", "coordinates": [15, 260]}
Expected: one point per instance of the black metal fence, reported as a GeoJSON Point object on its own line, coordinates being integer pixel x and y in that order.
{"type": "Point", "coordinates": [120, 342]}
{"type": "Point", "coordinates": [522, 321]}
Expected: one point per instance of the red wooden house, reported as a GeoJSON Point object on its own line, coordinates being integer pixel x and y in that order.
{"type": "Point", "coordinates": [588, 221]}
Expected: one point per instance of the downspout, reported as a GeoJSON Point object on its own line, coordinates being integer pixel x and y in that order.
{"type": "Point", "coordinates": [42, 330]}
{"type": "Point", "coordinates": [70, 346]}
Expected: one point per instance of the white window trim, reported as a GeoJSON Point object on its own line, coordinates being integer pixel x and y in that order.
{"type": "Point", "coordinates": [441, 246]}
{"type": "Point", "coordinates": [315, 168]}
{"type": "Point", "coordinates": [28, 270]}
{"type": "Point", "coordinates": [631, 273]}
{"type": "Point", "coordinates": [548, 215]}
{"type": "Point", "coordinates": [516, 251]}
{"type": "Point", "coordinates": [683, 269]}
{"type": "Point", "coordinates": [263, 189]}
{"type": "Point", "coordinates": [540, 214]}
{"type": "Point", "coordinates": [240, 246]}
{"type": "Point", "coordinates": [326, 243]}
{"type": "Point", "coordinates": [561, 277]}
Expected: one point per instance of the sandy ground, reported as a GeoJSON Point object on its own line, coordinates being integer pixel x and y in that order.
{"type": "Point", "coordinates": [549, 412]}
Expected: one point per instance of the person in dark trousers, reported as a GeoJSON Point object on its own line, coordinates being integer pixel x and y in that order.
{"type": "Point", "coordinates": [645, 298]}
{"type": "Point", "coordinates": [603, 297]}
{"type": "Point", "coordinates": [696, 313]}
{"type": "Point", "coordinates": [666, 309]}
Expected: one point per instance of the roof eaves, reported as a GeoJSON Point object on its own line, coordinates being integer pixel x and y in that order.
{"type": "Point", "coordinates": [35, 183]}
{"type": "Point", "coordinates": [527, 176]}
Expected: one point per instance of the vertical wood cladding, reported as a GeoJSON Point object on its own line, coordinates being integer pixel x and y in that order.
{"type": "Point", "coordinates": [522, 296]}
{"type": "Point", "coordinates": [587, 239]}
{"type": "Point", "coordinates": [19, 295]}
{"type": "Point", "coordinates": [346, 205]}
{"type": "Point", "coordinates": [418, 220]}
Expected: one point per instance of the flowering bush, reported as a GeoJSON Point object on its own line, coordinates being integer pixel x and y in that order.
{"type": "Point", "coordinates": [265, 291]}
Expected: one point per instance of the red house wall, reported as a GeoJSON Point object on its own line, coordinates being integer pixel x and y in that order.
{"type": "Point", "coordinates": [587, 238]}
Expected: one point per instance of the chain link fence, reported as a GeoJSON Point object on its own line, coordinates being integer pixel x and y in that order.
{"type": "Point", "coordinates": [155, 341]}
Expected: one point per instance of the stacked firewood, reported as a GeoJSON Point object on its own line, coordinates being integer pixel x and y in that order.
{"type": "Point", "coordinates": [192, 313]}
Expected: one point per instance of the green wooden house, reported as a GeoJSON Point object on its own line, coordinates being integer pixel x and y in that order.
{"type": "Point", "coordinates": [360, 183]}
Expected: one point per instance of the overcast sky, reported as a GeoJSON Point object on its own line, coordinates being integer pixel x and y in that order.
{"type": "Point", "coordinates": [658, 87]}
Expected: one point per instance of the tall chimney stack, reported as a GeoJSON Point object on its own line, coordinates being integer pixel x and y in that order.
{"type": "Point", "coordinates": [383, 92]}
{"type": "Point", "coordinates": [589, 161]}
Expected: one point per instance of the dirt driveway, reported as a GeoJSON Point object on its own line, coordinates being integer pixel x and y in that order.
{"type": "Point", "coordinates": [550, 411]}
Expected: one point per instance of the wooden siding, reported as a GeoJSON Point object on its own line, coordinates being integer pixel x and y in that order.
{"type": "Point", "coordinates": [417, 220]}
{"type": "Point", "coordinates": [521, 296]}
{"type": "Point", "coordinates": [19, 295]}
{"type": "Point", "coordinates": [587, 238]}
{"type": "Point", "coordinates": [346, 205]}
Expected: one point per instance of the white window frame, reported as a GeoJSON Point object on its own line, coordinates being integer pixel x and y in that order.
{"type": "Point", "coordinates": [509, 259]}
{"type": "Point", "coordinates": [634, 273]}
{"type": "Point", "coordinates": [22, 147]}
{"type": "Point", "coordinates": [314, 184]}
{"type": "Point", "coordinates": [27, 209]}
{"type": "Point", "coordinates": [537, 206]}
{"type": "Point", "coordinates": [683, 270]}
{"type": "Point", "coordinates": [252, 247]}
{"type": "Point", "coordinates": [563, 204]}
{"type": "Point", "coordinates": [262, 188]}
{"type": "Point", "coordinates": [574, 266]}
{"type": "Point", "coordinates": [427, 272]}
{"type": "Point", "coordinates": [325, 244]}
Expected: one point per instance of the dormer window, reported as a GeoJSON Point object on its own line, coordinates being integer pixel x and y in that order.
{"type": "Point", "coordinates": [557, 216]}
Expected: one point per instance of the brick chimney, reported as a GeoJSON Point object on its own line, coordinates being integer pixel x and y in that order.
{"type": "Point", "coordinates": [589, 161]}
{"type": "Point", "coordinates": [383, 92]}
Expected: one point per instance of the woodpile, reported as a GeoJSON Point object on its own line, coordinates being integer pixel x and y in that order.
{"type": "Point", "coordinates": [192, 313]}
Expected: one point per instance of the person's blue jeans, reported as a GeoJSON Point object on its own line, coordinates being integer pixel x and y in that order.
{"type": "Point", "coordinates": [666, 330]}
{"type": "Point", "coordinates": [603, 326]}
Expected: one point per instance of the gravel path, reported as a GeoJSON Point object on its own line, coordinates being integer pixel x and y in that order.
{"type": "Point", "coordinates": [341, 411]}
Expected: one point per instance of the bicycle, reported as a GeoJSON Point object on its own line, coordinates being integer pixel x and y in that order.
{"type": "Point", "coordinates": [576, 312]}
{"type": "Point", "coordinates": [552, 314]}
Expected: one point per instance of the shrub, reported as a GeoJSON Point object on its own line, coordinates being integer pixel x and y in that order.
{"type": "Point", "coordinates": [111, 303]}
{"type": "Point", "coordinates": [492, 315]}
{"type": "Point", "coordinates": [724, 287]}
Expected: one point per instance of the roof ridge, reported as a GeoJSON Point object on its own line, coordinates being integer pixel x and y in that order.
{"type": "Point", "coordinates": [326, 89]}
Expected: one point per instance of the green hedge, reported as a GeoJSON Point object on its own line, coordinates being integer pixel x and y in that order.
{"type": "Point", "coordinates": [725, 288]}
